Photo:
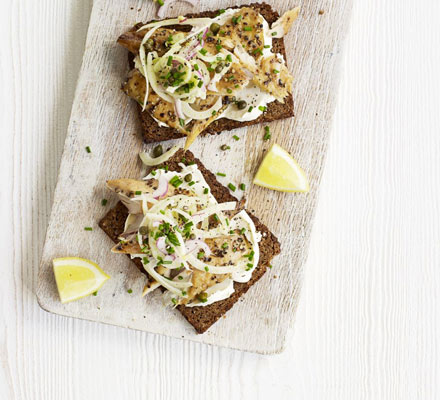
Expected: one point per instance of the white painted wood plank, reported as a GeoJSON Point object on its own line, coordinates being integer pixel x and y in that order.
{"type": "Point", "coordinates": [367, 326]}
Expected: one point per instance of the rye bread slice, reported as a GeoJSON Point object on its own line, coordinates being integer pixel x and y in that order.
{"type": "Point", "coordinates": [152, 132]}
{"type": "Point", "coordinates": [201, 318]}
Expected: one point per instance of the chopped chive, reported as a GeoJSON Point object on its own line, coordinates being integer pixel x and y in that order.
{"type": "Point", "coordinates": [216, 217]}
{"type": "Point", "coordinates": [180, 277]}
{"type": "Point", "coordinates": [103, 202]}
{"type": "Point", "coordinates": [229, 58]}
{"type": "Point", "coordinates": [225, 245]}
{"type": "Point", "coordinates": [145, 260]}
{"type": "Point", "coordinates": [196, 67]}
{"type": "Point", "coordinates": [242, 186]}
{"type": "Point", "coordinates": [170, 60]}
{"type": "Point", "coordinates": [231, 77]}
{"type": "Point", "coordinates": [221, 11]}
{"type": "Point", "coordinates": [129, 291]}
{"type": "Point", "coordinates": [275, 71]}
{"type": "Point", "coordinates": [267, 134]}
{"type": "Point", "coordinates": [170, 38]}
{"type": "Point", "coordinates": [153, 173]}
{"type": "Point", "coordinates": [274, 33]}
{"type": "Point", "coordinates": [232, 187]}
{"type": "Point", "coordinates": [249, 265]}
{"type": "Point", "coordinates": [218, 47]}
{"type": "Point", "coordinates": [236, 20]}
{"type": "Point", "coordinates": [191, 183]}
{"type": "Point", "coordinates": [221, 174]}
{"type": "Point", "coordinates": [262, 108]}
{"type": "Point", "coordinates": [203, 52]}
{"type": "Point", "coordinates": [235, 137]}
{"type": "Point", "coordinates": [200, 255]}
{"type": "Point", "coordinates": [95, 293]}
{"type": "Point", "coordinates": [88, 228]}
{"type": "Point", "coordinates": [250, 109]}
{"type": "Point", "coordinates": [200, 84]}
{"type": "Point", "coordinates": [229, 91]}
{"type": "Point", "coordinates": [206, 269]}
{"type": "Point", "coordinates": [248, 28]}
{"type": "Point", "coordinates": [227, 221]}
{"type": "Point", "coordinates": [182, 122]}
{"type": "Point", "coordinates": [167, 262]}
{"type": "Point", "coordinates": [184, 293]}
{"type": "Point", "coordinates": [176, 181]}
{"type": "Point", "coordinates": [138, 193]}
{"type": "Point", "coordinates": [237, 86]}
{"type": "Point", "coordinates": [270, 265]}
{"type": "Point", "coordinates": [174, 300]}
{"type": "Point", "coordinates": [266, 46]}
{"type": "Point", "coordinates": [162, 212]}
{"type": "Point", "coordinates": [242, 230]}
{"type": "Point", "coordinates": [206, 191]}
{"type": "Point", "coordinates": [256, 51]}
{"type": "Point", "coordinates": [160, 2]}
{"type": "Point", "coordinates": [214, 112]}
{"type": "Point", "coordinates": [88, 149]}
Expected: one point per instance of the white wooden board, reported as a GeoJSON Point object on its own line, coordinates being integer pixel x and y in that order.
{"type": "Point", "coordinates": [105, 119]}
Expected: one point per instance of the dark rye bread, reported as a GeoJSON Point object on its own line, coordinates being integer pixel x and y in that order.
{"type": "Point", "coordinates": [152, 132]}
{"type": "Point", "coordinates": [201, 318]}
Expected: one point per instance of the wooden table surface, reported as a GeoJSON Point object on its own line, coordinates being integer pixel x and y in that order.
{"type": "Point", "coordinates": [368, 321]}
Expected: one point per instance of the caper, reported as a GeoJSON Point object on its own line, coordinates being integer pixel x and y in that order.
{"type": "Point", "coordinates": [143, 230]}
{"type": "Point", "coordinates": [203, 297]}
{"type": "Point", "coordinates": [219, 67]}
{"type": "Point", "coordinates": [241, 105]}
{"type": "Point", "coordinates": [158, 151]}
{"type": "Point", "coordinates": [149, 45]}
{"type": "Point", "coordinates": [192, 236]}
{"type": "Point", "coordinates": [214, 28]}
{"type": "Point", "coordinates": [188, 178]}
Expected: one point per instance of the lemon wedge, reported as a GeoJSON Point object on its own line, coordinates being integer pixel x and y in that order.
{"type": "Point", "coordinates": [77, 277]}
{"type": "Point", "coordinates": [279, 171]}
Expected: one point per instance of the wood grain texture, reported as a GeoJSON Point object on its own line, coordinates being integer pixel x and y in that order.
{"type": "Point", "coordinates": [104, 119]}
{"type": "Point", "coordinates": [367, 326]}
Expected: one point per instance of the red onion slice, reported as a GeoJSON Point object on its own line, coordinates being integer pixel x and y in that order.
{"type": "Point", "coordinates": [161, 245]}
{"type": "Point", "coordinates": [162, 188]}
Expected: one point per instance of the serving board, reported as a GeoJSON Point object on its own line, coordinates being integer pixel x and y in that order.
{"type": "Point", "coordinates": [106, 120]}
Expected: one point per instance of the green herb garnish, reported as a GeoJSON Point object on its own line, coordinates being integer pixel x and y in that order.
{"type": "Point", "coordinates": [176, 181]}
